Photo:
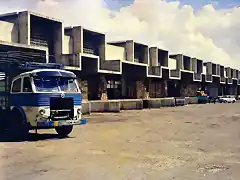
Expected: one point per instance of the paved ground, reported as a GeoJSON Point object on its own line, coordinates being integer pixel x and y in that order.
{"type": "Point", "coordinates": [191, 142]}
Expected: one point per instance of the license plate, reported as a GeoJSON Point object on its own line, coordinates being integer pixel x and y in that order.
{"type": "Point", "coordinates": [68, 122]}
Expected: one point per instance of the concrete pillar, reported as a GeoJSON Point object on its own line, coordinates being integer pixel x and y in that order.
{"type": "Point", "coordinates": [153, 55]}
{"type": "Point", "coordinates": [58, 40]}
{"type": "Point", "coordinates": [179, 59]}
{"type": "Point", "coordinates": [209, 68]}
{"type": "Point", "coordinates": [146, 55]}
{"type": "Point", "coordinates": [234, 73]}
{"type": "Point", "coordinates": [191, 64]}
{"type": "Point", "coordinates": [102, 50]}
{"type": "Point", "coordinates": [130, 51]}
{"type": "Point", "coordinates": [228, 72]}
{"type": "Point", "coordinates": [47, 57]}
{"type": "Point", "coordinates": [77, 34]}
{"type": "Point", "coordinates": [194, 65]}
{"type": "Point", "coordinates": [218, 69]}
{"type": "Point", "coordinates": [166, 59]}
{"type": "Point", "coordinates": [24, 28]}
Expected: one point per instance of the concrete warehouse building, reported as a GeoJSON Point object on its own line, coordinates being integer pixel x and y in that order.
{"type": "Point", "coordinates": [113, 70]}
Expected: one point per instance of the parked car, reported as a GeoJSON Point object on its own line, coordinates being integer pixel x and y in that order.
{"type": "Point", "coordinates": [227, 99]}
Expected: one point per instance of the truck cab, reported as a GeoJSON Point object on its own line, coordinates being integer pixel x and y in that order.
{"type": "Point", "coordinates": [44, 98]}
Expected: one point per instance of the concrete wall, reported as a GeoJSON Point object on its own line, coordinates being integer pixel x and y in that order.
{"type": "Point", "coordinates": [8, 32]}
{"type": "Point", "coordinates": [111, 65]}
{"type": "Point", "coordinates": [158, 102]}
{"type": "Point", "coordinates": [130, 51]}
{"type": "Point", "coordinates": [197, 65]}
{"type": "Point", "coordinates": [115, 52]}
{"type": "Point", "coordinates": [234, 73]}
{"type": "Point", "coordinates": [105, 106]}
{"type": "Point", "coordinates": [146, 55]}
{"type": "Point", "coordinates": [70, 60]}
{"type": "Point", "coordinates": [134, 104]}
{"type": "Point", "coordinates": [24, 28]}
{"type": "Point", "coordinates": [204, 70]}
{"type": "Point", "coordinates": [218, 69]}
{"type": "Point", "coordinates": [194, 65]}
{"type": "Point", "coordinates": [228, 72]}
{"type": "Point", "coordinates": [131, 104]}
{"type": "Point", "coordinates": [175, 73]}
{"type": "Point", "coordinates": [86, 109]}
{"type": "Point", "coordinates": [58, 40]}
{"type": "Point", "coordinates": [172, 63]}
{"type": "Point", "coordinates": [67, 45]}
{"type": "Point", "coordinates": [179, 60]}
{"type": "Point", "coordinates": [77, 35]}
{"type": "Point", "coordinates": [209, 68]}
{"type": "Point", "coordinates": [153, 56]}
{"type": "Point", "coordinates": [102, 49]}
{"type": "Point", "coordinates": [155, 70]}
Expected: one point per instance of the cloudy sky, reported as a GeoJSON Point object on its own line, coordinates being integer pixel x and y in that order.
{"type": "Point", "coordinates": [208, 30]}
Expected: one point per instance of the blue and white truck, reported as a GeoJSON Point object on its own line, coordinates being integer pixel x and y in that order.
{"type": "Point", "coordinates": [38, 96]}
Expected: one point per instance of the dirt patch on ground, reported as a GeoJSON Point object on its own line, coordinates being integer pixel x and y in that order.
{"type": "Point", "coordinates": [191, 142]}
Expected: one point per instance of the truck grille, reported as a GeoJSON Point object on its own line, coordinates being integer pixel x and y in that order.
{"type": "Point", "coordinates": [61, 108]}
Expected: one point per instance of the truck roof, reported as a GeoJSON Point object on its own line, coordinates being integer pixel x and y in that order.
{"type": "Point", "coordinates": [48, 71]}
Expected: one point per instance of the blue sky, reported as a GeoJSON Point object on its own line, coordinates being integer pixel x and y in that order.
{"type": "Point", "coordinates": [196, 4]}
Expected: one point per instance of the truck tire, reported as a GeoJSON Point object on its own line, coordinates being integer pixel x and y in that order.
{"type": "Point", "coordinates": [18, 128]}
{"type": "Point", "coordinates": [64, 131]}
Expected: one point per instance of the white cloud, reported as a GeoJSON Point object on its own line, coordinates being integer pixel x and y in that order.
{"type": "Point", "coordinates": [209, 34]}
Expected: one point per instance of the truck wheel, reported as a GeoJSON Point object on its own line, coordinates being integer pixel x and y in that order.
{"type": "Point", "coordinates": [18, 127]}
{"type": "Point", "coordinates": [64, 131]}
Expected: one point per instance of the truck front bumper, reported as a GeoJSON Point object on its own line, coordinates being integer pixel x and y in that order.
{"type": "Point", "coordinates": [51, 124]}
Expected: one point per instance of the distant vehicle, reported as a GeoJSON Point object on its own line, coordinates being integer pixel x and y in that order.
{"type": "Point", "coordinates": [227, 99]}
{"type": "Point", "coordinates": [202, 97]}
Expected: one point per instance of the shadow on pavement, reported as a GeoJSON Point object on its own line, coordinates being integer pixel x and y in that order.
{"type": "Point", "coordinates": [33, 137]}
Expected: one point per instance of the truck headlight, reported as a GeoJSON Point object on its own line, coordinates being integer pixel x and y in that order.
{"type": "Point", "coordinates": [42, 111]}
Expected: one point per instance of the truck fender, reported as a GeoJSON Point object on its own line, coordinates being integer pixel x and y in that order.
{"type": "Point", "coordinates": [22, 112]}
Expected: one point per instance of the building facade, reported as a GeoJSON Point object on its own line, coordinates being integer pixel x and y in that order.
{"type": "Point", "coordinates": [113, 70]}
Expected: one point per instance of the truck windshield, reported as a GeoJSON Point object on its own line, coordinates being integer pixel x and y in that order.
{"type": "Point", "coordinates": [53, 84]}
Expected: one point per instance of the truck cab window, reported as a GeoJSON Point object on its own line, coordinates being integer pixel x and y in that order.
{"type": "Point", "coordinates": [27, 87]}
{"type": "Point", "coordinates": [17, 85]}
